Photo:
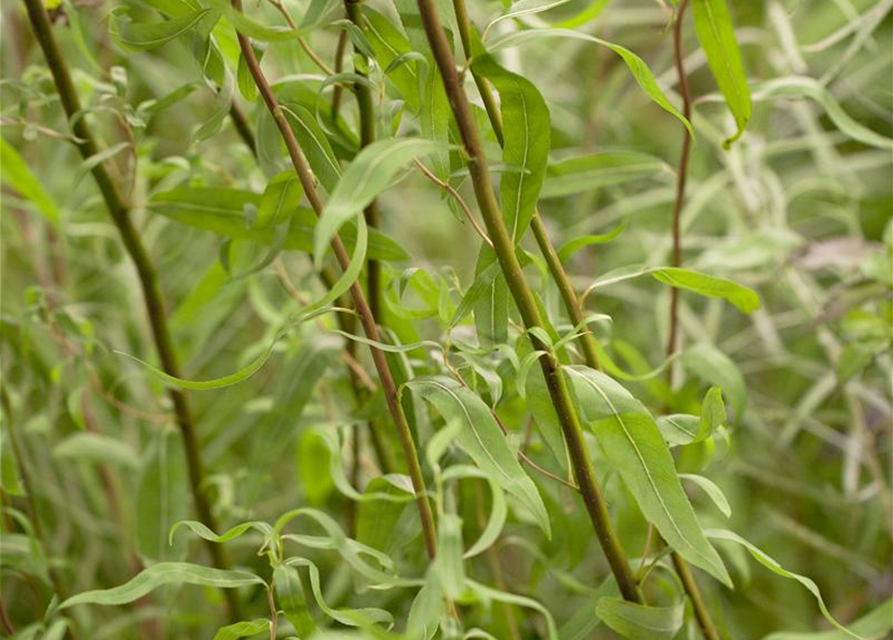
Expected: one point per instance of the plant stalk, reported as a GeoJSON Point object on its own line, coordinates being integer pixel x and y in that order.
{"type": "Point", "coordinates": [682, 569]}
{"type": "Point", "coordinates": [523, 296]}
{"type": "Point", "coordinates": [367, 320]}
{"type": "Point", "coordinates": [553, 262]}
{"type": "Point", "coordinates": [366, 107]}
{"type": "Point", "coordinates": [120, 214]}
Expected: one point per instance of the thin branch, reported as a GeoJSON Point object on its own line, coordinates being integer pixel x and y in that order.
{"type": "Point", "coordinates": [120, 214]}
{"type": "Point", "coordinates": [459, 200]}
{"type": "Point", "coordinates": [505, 251]}
{"type": "Point", "coordinates": [302, 170]}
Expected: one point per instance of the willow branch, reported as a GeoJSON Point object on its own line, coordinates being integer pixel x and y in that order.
{"type": "Point", "coordinates": [120, 214]}
{"type": "Point", "coordinates": [366, 106]}
{"type": "Point", "coordinates": [305, 176]}
{"type": "Point", "coordinates": [682, 569]}
{"type": "Point", "coordinates": [523, 296]}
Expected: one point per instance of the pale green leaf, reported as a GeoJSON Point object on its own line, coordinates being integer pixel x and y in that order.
{"type": "Point", "coordinates": [373, 170]}
{"type": "Point", "coordinates": [244, 629]}
{"type": "Point", "coordinates": [161, 574]}
{"type": "Point", "coordinates": [17, 175]}
{"type": "Point", "coordinates": [770, 563]}
{"type": "Point", "coordinates": [745, 299]}
{"type": "Point", "coordinates": [713, 25]}
{"type": "Point", "coordinates": [482, 439]}
{"type": "Point", "coordinates": [640, 622]}
{"type": "Point", "coordinates": [632, 442]}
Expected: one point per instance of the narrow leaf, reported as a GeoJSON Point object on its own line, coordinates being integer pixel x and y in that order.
{"type": "Point", "coordinates": [632, 442]}
{"type": "Point", "coordinates": [482, 439]}
{"type": "Point", "coordinates": [161, 574]}
{"type": "Point", "coordinates": [713, 25]}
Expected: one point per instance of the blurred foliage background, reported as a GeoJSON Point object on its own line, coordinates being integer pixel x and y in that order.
{"type": "Point", "coordinates": [798, 209]}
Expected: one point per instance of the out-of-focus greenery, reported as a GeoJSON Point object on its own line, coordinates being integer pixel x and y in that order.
{"type": "Point", "coordinates": [798, 209]}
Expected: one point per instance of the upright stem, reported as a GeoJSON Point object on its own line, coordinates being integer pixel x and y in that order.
{"type": "Point", "coordinates": [681, 178]}
{"type": "Point", "coordinates": [240, 121]}
{"type": "Point", "coordinates": [553, 262]}
{"type": "Point", "coordinates": [523, 296]}
{"type": "Point", "coordinates": [120, 214]}
{"type": "Point", "coordinates": [682, 569]}
{"type": "Point", "coordinates": [367, 136]}
{"type": "Point", "coordinates": [305, 176]}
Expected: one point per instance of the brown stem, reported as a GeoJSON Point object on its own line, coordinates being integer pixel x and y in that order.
{"type": "Point", "coordinates": [682, 569]}
{"type": "Point", "coordinates": [523, 296]}
{"type": "Point", "coordinates": [302, 170]}
{"type": "Point", "coordinates": [366, 107]}
{"type": "Point", "coordinates": [120, 214]}
{"type": "Point", "coordinates": [681, 178]}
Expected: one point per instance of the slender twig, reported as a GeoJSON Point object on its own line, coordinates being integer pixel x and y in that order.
{"type": "Point", "coordinates": [304, 45]}
{"type": "Point", "coordinates": [681, 178]}
{"type": "Point", "coordinates": [120, 214]}
{"type": "Point", "coordinates": [572, 304]}
{"type": "Point", "coordinates": [450, 189]}
{"type": "Point", "coordinates": [524, 299]}
{"type": "Point", "coordinates": [302, 170]}
{"type": "Point", "coordinates": [338, 91]}
{"type": "Point", "coordinates": [366, 107]}
{"type": "Point", "coordinates": [682, 569]}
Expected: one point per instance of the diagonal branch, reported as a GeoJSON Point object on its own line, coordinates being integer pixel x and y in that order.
{"type": "Point", "coordinates": [524, 299]}
{"type": "Point", "coordinates": [302, 169]}
{"type": "Point", "coordinates": [120, 214]}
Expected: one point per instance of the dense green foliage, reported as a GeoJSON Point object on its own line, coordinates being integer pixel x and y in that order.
{"type": "Point", "coordinates": [301, 340]}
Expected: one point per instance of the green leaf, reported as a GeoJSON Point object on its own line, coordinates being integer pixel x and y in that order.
{"type": "Point", "coordinates": [524, 8]}
{"type": "Point", "coordinates": [630, 439]}
{"type": "Point", "coordinates": [223, 211]}
{"type": "Point", "coordinates": [314, 460]}
{"type": "Point", "coordinates": [296, 386]}
{"type": "Point", "coordinates": [223, 102]}
{"type": "Point", "coordinates": [143, 36]}
{"type": "Point", "coordinates": [205, 533]}
{"type": "Point", "coordinates": [389, 45]}
{"type": "Point", "coordinates": [482, 439]}
{"type": "Point", "coordinates": [491, 300]}
{"type": "Point", "coordinates": [427, 608]}
{"type": "Point", "coordinates": [713, 414]}
{"type": "Point", "coordinates": [161, 574]}
{"type": "Point", "coordinates": [770, 563]}
{"type": "Point", "coordinates": [570, 247]}
{"type": "Point", "coordinates": [280, 198]}
{"type": "Point", "coordinates": [17, 175]}
{"type": "Point", "coordinates": [875, 625]}
{"type": "Point", "coordinates": [449, 562]}
{"type": "Point", "coordinates": [712, 490]}
{"type": "Point", "coordinates": [214, 383]}
{"type": "Point", "coordinates": [314, 144]}
{"type": "Point", "coordinates": [640, 622]}
{"type": "Point", "coordinates": [642, 74]}
{"type": "Point", "coordinates": [526, 125]}
{"type": "Point", "coordinates": [713, 25]}
{"type": "Point", "coordinates": [716, 368]}
{"type": "Point", "coordinates": [372, 171]}
{"type": "Point", "coordinates": [290, 596]}
{"type": "Point", "coordinates": [797, 86]}
{"type": "Point", "coordinates": [581, 174]}
{"type": "Point", "coordinates": [97, 447]}
{"type": "Point", "coordinates": [746, 300]}
{"type": "Point", "coordinates": [244, 629]}
{"type": "Point", "coordinates": [161, 495]}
